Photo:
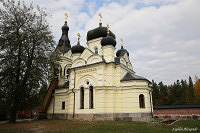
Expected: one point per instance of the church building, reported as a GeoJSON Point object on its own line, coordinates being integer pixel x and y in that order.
{"type": "Point", "coordinates": [97, 82]}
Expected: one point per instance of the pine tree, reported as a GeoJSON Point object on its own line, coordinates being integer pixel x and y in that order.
{"type": "Point", "coordinates": [163, 93]}
{"type": "Point", "coordinates": [184, 95]}
{"type": "Point", "coordinates": [155, 93]}
{"type": "Point", "coordinates": [170, 99]}
{"type": "Point", "coordinates": [197, 90]}
{"type": "Point", "coordinates": [190, 92]}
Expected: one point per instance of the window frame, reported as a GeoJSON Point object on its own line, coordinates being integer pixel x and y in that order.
{"type": "Point", "coordinates": [60, 71]}
{"type": "Point", "coordinates": [82, 93]}
{"type": "Point", "coordinates": [141, 101]}
{"type": "Point", "coordinates": [96, 51]}
{"type": "Point", "coordinates": [63, 105]}
{"type": "Point", "coordinates": [91, 97]}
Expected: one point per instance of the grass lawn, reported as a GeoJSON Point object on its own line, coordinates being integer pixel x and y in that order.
{"type": "Point", "coordinates": [98, 126]}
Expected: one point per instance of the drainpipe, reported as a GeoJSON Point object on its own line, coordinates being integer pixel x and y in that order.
{"type": "Point", "coordinates": [74, 94]}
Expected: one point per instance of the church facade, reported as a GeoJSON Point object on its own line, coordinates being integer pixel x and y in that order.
{"type": "Point", "coordinates": [95, 83]}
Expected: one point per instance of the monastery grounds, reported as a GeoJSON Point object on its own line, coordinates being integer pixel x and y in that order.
{"type": "Point", "coordinates": [99, 126]}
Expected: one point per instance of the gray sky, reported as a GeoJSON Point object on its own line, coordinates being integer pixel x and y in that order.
{"type": "Point", "coordinates": [162, 36]}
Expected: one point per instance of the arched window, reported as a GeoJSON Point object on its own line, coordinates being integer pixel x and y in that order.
{"type": "Point", "coordinates": [65, 70]}
{"type": "Point", "coordinates": [60, 70]}
{"type": "Point", "coordinates": [141, 101]}
{"type": "Point", "coordinates": [82, 98]}
{"type": "Point", "coordinates": [67, 75]}
{"type": "Point", "coordinates": [91, 99]}
{"type": "Point", "coordinates": [96, 50]}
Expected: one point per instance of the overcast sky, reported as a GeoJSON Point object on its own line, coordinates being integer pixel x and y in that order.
{"type": "Point", "coordinates": [162, 36]}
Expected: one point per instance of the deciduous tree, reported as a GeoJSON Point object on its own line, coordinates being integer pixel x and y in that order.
{"type": "Point", "coordinates": [26, 43]}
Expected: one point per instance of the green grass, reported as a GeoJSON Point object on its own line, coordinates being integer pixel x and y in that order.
{"type": "Point", "coordinates": [189, 123]}
{"type": "Point", "coordinates": [95, 126]}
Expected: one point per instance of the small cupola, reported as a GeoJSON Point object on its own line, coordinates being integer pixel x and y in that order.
{"type": "Point", "coordinates": [122, 51]}
{"type": "Point", "coordinates": [65, 28]}
{"type": "Point", "coordinates": [77, 48]}
{"type": "Point", "coordinates": [64, 43]}
{"type": "Point", "coordinates": [108, 40]}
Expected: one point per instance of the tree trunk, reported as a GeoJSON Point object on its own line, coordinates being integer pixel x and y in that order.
{"type": "Point", "coordinates": [13, 113]}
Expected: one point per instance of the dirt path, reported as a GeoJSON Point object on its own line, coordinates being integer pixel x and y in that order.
{"type": "Point", "coordinates": [26, 125]}
{"type": "Point", "coordinates": [38, 127]}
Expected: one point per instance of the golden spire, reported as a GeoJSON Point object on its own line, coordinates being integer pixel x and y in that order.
{"type": "Point", "coordinates": [100, 22]}
{"type": "Point", "coordinates": [66, 17]}
{"type": "Point", "coordinates": [122, 42]}
{"type": "Point", "coordinates": [108, 29]}
{"type": "Point", "coordinates": [79, 36]}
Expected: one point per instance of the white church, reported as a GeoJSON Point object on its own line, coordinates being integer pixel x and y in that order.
{"type": "Point", "coordinates": [96, 82]}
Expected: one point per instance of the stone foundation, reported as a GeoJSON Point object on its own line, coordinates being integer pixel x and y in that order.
{"type": "Point", "coordinates": [108, 116]}
{"type": "Point", "coordinates": [57, 116]}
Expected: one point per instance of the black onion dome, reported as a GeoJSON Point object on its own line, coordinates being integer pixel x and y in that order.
{"type": "Point", "coordinates": [108, 40]}
{"type": "Point", "coordinates": [77, 48]}
{"type": "Point", "coordinates": [121, 52]}
{"type": "Point", "coordinates": [98, 32]}
{"type": "Point", "coordinates": [65, 28]}
{"type": "Point", "coordinates": [64, 43]}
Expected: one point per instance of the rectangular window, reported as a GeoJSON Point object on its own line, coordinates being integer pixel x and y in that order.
{"type": "Point", "coordinates": [82, 98]}
{"type": "Point", "coordinates": [63, 105]}
{"type": "Point", "coordinates": [91, 99]}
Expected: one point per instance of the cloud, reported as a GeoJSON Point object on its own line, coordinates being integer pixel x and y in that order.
{"type": "Point", "coordinates": [162, 36]}
{"type": "Point", "coordinates": [164, 41]}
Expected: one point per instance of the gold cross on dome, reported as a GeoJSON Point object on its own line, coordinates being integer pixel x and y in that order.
{"type": "Point", "coordinates": [108, 29]}
{"type": "Point", "coordinates": [122, 42]}
{"type": "Point", "coordinates": [66, 17]}
{"type": "Point", "coordinates": [79, 36]}
{"type": "Point", "coordinates": [100, 22]}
